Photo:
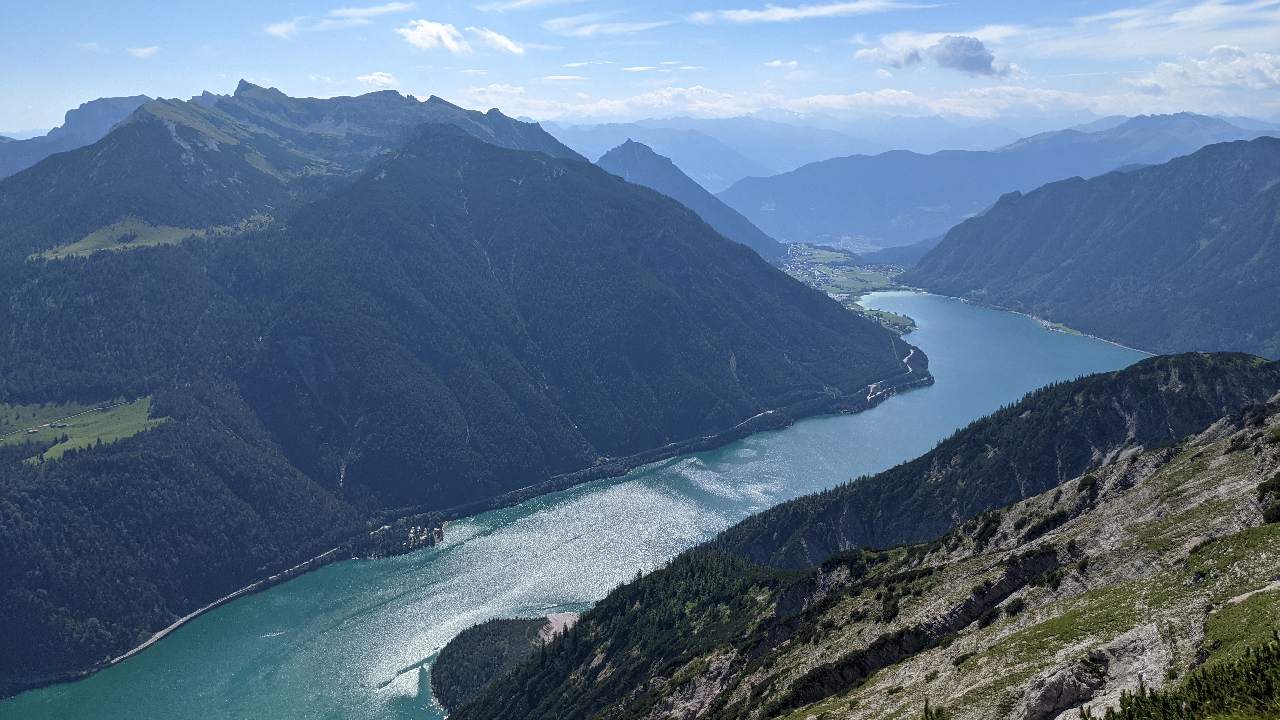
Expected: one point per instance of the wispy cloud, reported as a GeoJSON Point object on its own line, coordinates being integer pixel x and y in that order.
{"type": "Point", "coordinates": [787, 64]}
{"type": "Point", "coordinates": [639, 68]}
{"type": "Point", "coordinates": [792, 13]}
{"type": "Point", "coordinates": [508, 5]}
{"type": "Point", "coordinates": [563, 78]}
{"type": "Point", "coordinates": [142, 53]}
{"type": "Point", "coordinates": [428, 35]}
{"type": "Point", "coordinates": [378, 79]}
{"type": "Point", "coordinates": [592, 24]}
{"type": "Point", "coordinates": [371, 10]}
{"type": "Point", "coordinates": [496, 40]}
{"type": "Point", "coordinates": [336, 19]}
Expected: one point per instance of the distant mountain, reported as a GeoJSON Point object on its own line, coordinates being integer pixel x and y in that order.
{"type": "Point", "coordinates": [1105, 123]}
{"type": "Point", "coordinates": [929, 134]}
{"type": "Point", "coordinates": [1098, 537]}
{"type": "Point", "coordinates": [175, 168]}
{"type": "Point", "coordinates": [712, 164]}
{"type": "Point", "coordinates": [899, 197]}
{"type": "Point", "coordinates": [1248, 123]}
{"type": "Point", "coordinates": [454, 321]}
{"type": "Point", "coordinates": [1144, 139]}
{"type": "Point", "coordinates": [82, 126]}
{"type": "Point", "coordinates": [777, 145]}
{"type": "Point", "coordinates": [1172, 257]}
{"type": "Point", "coordinates": [904, 255]}
{"type": "Point", "coordinates": [638, 164]}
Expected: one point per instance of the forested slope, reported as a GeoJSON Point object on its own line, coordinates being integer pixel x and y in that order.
{"type": "Point", "coordinates": [1168, 258]}
{"type": "Point", "coordinates": [456, 321]}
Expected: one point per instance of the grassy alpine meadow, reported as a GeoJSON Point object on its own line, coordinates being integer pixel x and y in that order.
{"type": "Point", "coordinates": [72, 426]}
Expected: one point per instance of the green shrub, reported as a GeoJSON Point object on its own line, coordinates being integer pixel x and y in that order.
{"type": "Point", "coordinates": [1015, 606]}
{"type": "Point", "coordinates": [1248, 688]}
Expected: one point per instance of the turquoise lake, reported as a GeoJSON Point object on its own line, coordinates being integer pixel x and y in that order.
{"type": "Point", "coordinates": [344, 642]}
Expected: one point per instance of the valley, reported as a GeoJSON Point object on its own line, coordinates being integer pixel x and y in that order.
{"type": "Point", "coordinates": [846, 278]}
{"type": "Point", "coordinates": [750, 360]}
{"type": "Point", "coordinates": [338, 638]}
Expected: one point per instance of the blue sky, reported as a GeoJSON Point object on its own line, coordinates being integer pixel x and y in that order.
{"type": "Point", "coordinates": [595, 60]}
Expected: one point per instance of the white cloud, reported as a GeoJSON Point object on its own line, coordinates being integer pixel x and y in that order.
{"type": "Point", "coordinates": [586, 63]}
{"type": "Point", "coordinates": [378, 79]}
{"type": "Point", "coordinates": [285, 29]}
{"type": "Point", "coordinates": [968, 52]}
{"type": "Point", "coordinates": [1162, 28]}
{"type": "Point", "coordinates": [639, 68]}
{"type": "Point", "coordinates": [792, 13]}
{"type": "Point", "coordinates": [427, 35]}
{"type": "Point", "coordinates": [336, 19]}
{"type": "Point", "coordinates": [1225, 67]}
{"type": "Point", "coordinates": [522, 4]}
{"type": "Point", "coordinates": [496, 95]}
{"type": "Point", "coordinates": [788, 64]}
{"type": "Point", "coordinates": [695, 100]}
{"type": "Point", "coordinates": [371, 11]}
{"type": "Point", "coordinates": [592, 24]}
{"type": "Point", "coordinates": [142, 53]}
{"type": "Point", "coordinates": [497, 40]}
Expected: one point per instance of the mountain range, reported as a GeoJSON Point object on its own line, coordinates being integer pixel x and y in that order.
{"type": "Point", "coordinates": [637, 163]}
{"type": "Point", "coordinates": [1032, 589]}
{"type": "Point", "coordinates": [81, 126]}
{"type": "Point", "coordinates": [307, 318]}
{"type": "Point", "coordinates": [900, 197]}
{"type": "Point", "coordinates": [717, 153]}
{"type": "Point", "coordinates": [1167, 258]}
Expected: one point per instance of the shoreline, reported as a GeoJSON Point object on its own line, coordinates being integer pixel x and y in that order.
{"type": "Point", "coordinates": [1047, 324]}
{"type": "Point", "coordinates": [915, 376]}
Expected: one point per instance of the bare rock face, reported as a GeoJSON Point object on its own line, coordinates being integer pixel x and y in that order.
{"type": "Point", "coordinates": [1068, 688]}
{"type": "Point", "coordinates": [1138, 657]}
{"type": "Point", "coordinates": [692, 699]}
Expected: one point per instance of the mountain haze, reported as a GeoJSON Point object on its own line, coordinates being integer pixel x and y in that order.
{"type": "Point", "coordinates": [900, 197]}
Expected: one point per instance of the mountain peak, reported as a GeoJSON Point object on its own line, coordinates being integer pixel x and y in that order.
{"type": "Point", "coordinates": [637, 163]}
{"type": "Point", "coordinates": [1176, 120]}
{"type": "Point", "coordinates": [246, 89]}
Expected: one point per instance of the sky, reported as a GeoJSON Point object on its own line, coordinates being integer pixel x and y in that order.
{"type": "Point", "coordinates": [607, 60]}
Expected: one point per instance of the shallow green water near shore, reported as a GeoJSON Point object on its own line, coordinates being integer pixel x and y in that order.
{"type": "Point", "coordinates": [344, 642]}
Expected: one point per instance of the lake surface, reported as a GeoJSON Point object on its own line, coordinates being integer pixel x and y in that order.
{"type": "Point", "coordinates": [344, 642]}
